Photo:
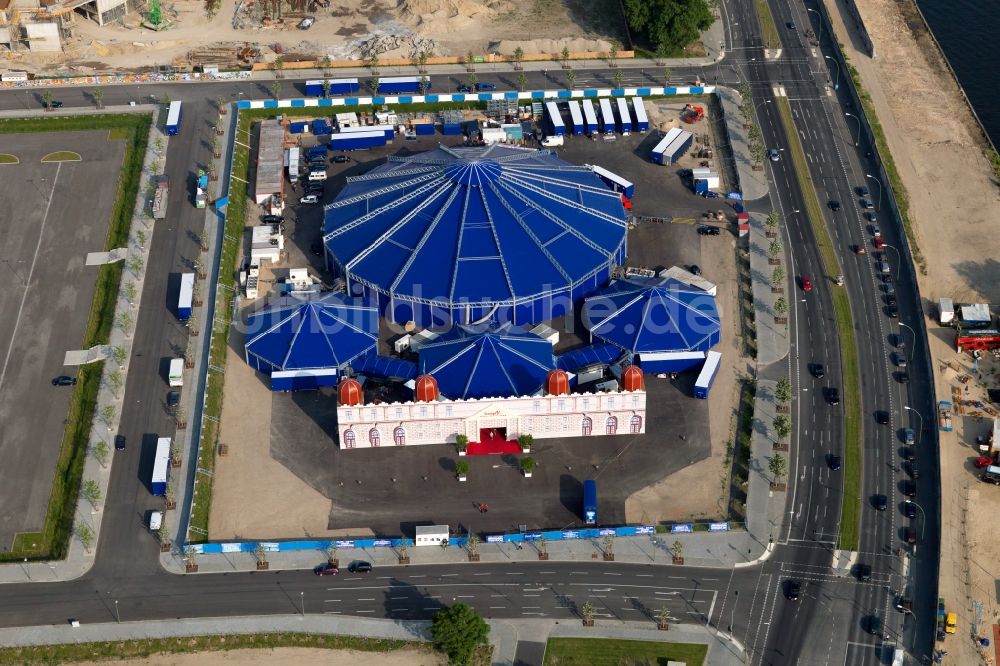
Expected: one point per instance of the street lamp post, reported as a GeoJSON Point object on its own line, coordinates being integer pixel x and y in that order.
{"type": "Point", "coordinates": [732, 615]}
{"type": "Point", "coordinates": [923, 518]}
{"type": "Point", "coordinates": [911, 409]}
{"type": "Point", "coordinates": [836, 84]}
{"type": "Point", "coordinates": [821, 25]}
{"type": "Point", "coordinates": [895, 274]}
{"type": "Point", "coordinates": [909, 357]}
{"type": "Point", "coordinates": [118, 618]}
{"type": "Point", "coordinates": [302, 599]}
{"type": "Point", "coordinates": [878, 202]}
{"type": "Point", "coordinates": [857, 138]}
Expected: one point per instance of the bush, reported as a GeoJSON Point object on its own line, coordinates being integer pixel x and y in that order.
{"type": "Point", "coordinates": [457, 631]}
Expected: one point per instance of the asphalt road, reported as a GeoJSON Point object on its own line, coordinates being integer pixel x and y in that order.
{"type": "Point", "coordinates": [747, 601]}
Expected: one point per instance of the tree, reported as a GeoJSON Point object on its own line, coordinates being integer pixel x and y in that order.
{"type": "Point", "coordinates": [457, 631]}
{"type": "Point", "coordinates": [473, 544]}
{"type": "Point", "coordinates": [522, 80]}
{"type": "Point", "coordinates": [276, 89]}
{"type": "Point", "coordinates": [424, 82]}
{"type": "Point", "coordinates": [124, 321]}
{"type": "Point", "coordinates": [608, 542]}
{"type": "Point", "coordinates": [140, 235]}
{"type": "Point", "coordinates": [108, 413]}
{"type": "Point", "coordinates": [325, 63]}
{"type": "Point", "coordinates": [473, 81]}
{"type": "Point", "coordinates": [666, 76]}
{"type": "Point", "coordinates": [570, 77]}
{"type": "Point", "coordinates": [587, 611]}
{"type": "Point", "coordinates": [91, 491]}
{"type": "Point", "coordinates": [326, 87]}
{"type": "Point", "coordinates": [85, 535]}
{"type": "Point", "coordinates": [118, 355]}
{"type": "Point", "coordinates": [662, 616]}
{"type": "Point", "coordinates": [565, 56]}
{"type": "Point", "coordinates": [155, 15]}
{"type": "Point", "coordinates": [777, 277]}
{"type": "Point", "coordinates": [613, 55]}
{"type": "Point", "coordinates": [667, 26]}
{"type": "Point", "coordinates": [781, 306]}
{"type": "Point", "coordinates": [777, 466]}
{"type": "Point", "coordinates": [373, 63]}
{"type": "Point", "coordinates": [47, 99]}
{"type": "Point", "coordinates": [471, 60]}
{"type": "Point", "coordinates": [527, 465]}
{"type": "Point", "coordinates": [678, 549]}
{"type": "Point", "coordinates": [101, 453]}
{"type": "Point", "coordinates": [260, 552]}
{"type": "Point", "coordinates": [618, 76]}
{"type": "Point", "coordinates": [374, 83]}
{"type": "Point", "coordinates": [783, 390]}
{"type": "Point", "coordinates": [772, 220]}
{"type": "Point", "coordinates": [753, 134]}
{"type": "Point", "coordinates": [518, 57]}
{"type": "Point", "coordinates": [99, 98]}
{"type": "Point", "coordinates": [130, 292]}
{"type": "Point", "coordinates": [774, 249]}
{"type": "Point", "coordinates": [782, 425]}
{"type": "Point", "coordinates": [462, 468]}
{"type": "Point", "coordinates": [757, 152]}
{"type": "Point", "coordinates": [422, 61]}
{"type": "Point", "coordinates": [115, 381]}
{"type": "Point", "coordinates": [461, 442]}
{"type": "Point", "coordinates": [279, 66]}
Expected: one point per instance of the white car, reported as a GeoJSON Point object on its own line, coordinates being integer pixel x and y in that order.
{"type": "Point", "coordinates": [774, 155]}
{"type": "Point", "coordinates": [306, 23]}
{"type": "Point", "coordinates": [309, 199]}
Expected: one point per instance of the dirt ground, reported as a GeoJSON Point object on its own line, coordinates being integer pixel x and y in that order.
{"type": "Point", "coordinates": [442, 27]}
{"type": "Point", "coordinates": [953, 204]}
{"type": "Point", "coordinates": [300, 656]}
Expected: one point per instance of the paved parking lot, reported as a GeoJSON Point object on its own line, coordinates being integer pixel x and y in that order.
{"type": "Point", "coordinates": [54, 214]}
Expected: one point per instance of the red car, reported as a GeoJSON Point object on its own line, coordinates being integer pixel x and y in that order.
{"type": "Point", "coordinates": [326, 570]}
{"type": "Point", "coordinates": [879, 243]}
{"type": "Point", "coordinates": [807, 284]}
{"type": "Point", "coordinates": [984, 461]}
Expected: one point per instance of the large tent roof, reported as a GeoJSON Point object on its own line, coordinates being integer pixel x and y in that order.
{"type": "Point", "coordinates": [328, 331]}
{"type": "Point", "coordinates": [503, 362]}
{"type": "Point", "coordinates": [494, 225]}
{"type": "Point", "coordinates": [653, 315]}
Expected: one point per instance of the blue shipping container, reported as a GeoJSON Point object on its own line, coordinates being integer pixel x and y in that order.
{"type": "Point", "coordinates": [298, 128]}
{"type": "Point", "coordinates": [402, 84]}
{"type": "Point", "coordinates": [590, 502]}
{"type": "Point", "coordinates": [424, 129]}
{"type": "Point", "coordinates": [451, 128]}
{"type": "Point", "coordinates": [186, 296]}
{"type": "Point", "coordinates": [357, 140]}
{"type": "Point", "coordinates": [314, 88]}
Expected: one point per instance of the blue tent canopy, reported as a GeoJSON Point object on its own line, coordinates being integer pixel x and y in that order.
{"type": "Point", "coordinates": [601, 352]}
{"type": "Point", "coordinates": [503, 362]}
{"type": "Point", "coordinates": [385, 366]}
{"type": "Point", "coordinates": [328, 331]}
{"type": "Point", "coordinates": [497, 232]}
{"type": "Point", "coordinates": [653, 315]}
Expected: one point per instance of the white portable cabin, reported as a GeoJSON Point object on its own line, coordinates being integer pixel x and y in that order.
{"type": "Point", "coordinates": [689, 278]}
{"type": "Point", "coordinates": [577, 116]}
{"type": "Point", "coordinates": [607, 116]}
{"type": "Point", "coordinates": [431, 535]}
{"type": "Point", "coordinates": [590, 116]}
{"type": "Point", "coordinates": [641, 119]}
{"type": "Point", "coordinates": [625, 116]}
{"type": "Point", "coordinates": [555, 118]}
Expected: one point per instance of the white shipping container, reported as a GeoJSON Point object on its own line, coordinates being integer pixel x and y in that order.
{"type": "Point", "coordinates": [176, 375]}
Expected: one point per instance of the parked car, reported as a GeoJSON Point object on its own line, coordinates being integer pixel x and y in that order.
{"type": "Point", "coordinates": [360, 567]}
{"type": "Point", "coordinates": [309, 199]}
{"type": "Point", "coordinates": [909, 509]}
{"type": "Point", "coordinates": [340, 159]}
{"type": "Point", "coordinates": [64, 380]}
{"type": "Point", "coordinates": [861, 190]}
{"type": "Point", "coordinates": [486, 86]}
{"type": "Point", "coordinates": [903, 377]}
{"type": "Point", "coordinates": [464, 89]}
{"type": "Point", "coordinates": [706, 230]}
{"type": "Point", "coordinates": [306, 23]}
{"type": "Point", "coordinates": [909, 488]}
{"type": "Point", "coordinates": [892, 311]}
{"type": "Point", "coordinates": [326, 570]}
{"type": "Point", "coordinates": [871, 217]}
{"type": "Point", "coordinates": [694, 269]}
{"type": "Point", "coordinates": [908, 453]}
{"type": "Point", "coordinates": [867, 204]}
{"type": "Point", "coordinates": [272, 219]}
{"type": "Point", "coordinates": [54, 104]}
{"type": "Point", "coordinates": [910, 535]}
{"type": "Point", "coordinates": [876, 232]}
{"type": "Point", "coordinates": [908, 435]}
{"type": "Point", "coordinates": [913, 470]}
{"type": "Point", "coordinates": [173, 400]}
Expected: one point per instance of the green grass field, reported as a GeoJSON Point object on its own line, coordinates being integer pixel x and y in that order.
{"type": "Point", "coordinates": [62, 156]}
{"type": "Point", "coordinates": [608, 652]}
{"type": "Point", "coordinates": [7, 158]}
{"type": "Point", "coordinates": [768, 29]}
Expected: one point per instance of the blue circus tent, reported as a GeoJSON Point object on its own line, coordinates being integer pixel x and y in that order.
{"type": "Point", "coordinates": [328, 331]}
{"type": "Point", "coordinates": [653, 316]}
{"type": "Point", "coordinates": [499, 363]}
{"type": "Point", "coordinates": [500, 233]}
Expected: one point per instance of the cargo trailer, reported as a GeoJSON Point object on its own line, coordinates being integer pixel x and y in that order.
{"type": "Point", "coordinates": [402, 84]}
{"type": "Point", "coordinates": [576, 115]}
{"type": "Point", "coordinates": [357, 140]}
{"type": "Point", "coordinates": [175, 376]}
{"type": "Point", "coordinates": [607, 116]}
{"type": "Point", "coordinates": [161, 468]}
{"type": "Point", "coordinates": [590, 116]}
{"type": "Point", "coordinates": [624, 115]}
{"type": "Point", "coordinates": [388, 130]}
{"type": "Point", "coordinates": [555, 118]}
{"type": "Point", "coordinates": [614, 181]}
{"type": "Point", "coordinates": [174, 115]}
{"type": "Point", "coordinates": [186, 296]}
{"type": "Point", "coordinates": [707, 375]}
{"type": "Point", "coordinates": [641, 119]}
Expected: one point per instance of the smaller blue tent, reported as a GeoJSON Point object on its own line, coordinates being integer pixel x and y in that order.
{"type": "Point", "coordinates": [499, 363]}
{"type": "Point", "coordinates": [326, 331]}
{"type": "Point", "coordinates": [653, 315]}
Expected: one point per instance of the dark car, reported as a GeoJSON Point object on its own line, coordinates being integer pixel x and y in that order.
{"type": "Point", "coordinates": [790, 25]}
{"type": "Point", "coordinates": [892, 311]}
{"type": "Point", "coordinates": [317, 249]}
{"type": "Point", "coordinates": [464, 89]}
{"type": "Point", "coordinates": [833, 395]}
{"type": "Point", "coordinates": [173, 399]}
{"type": "Point", "coordinates": [834, 206]}
{"type": "Point", "coordinates": [903, 377]}
{"type": "Point", "coordinates": [897, 340]}
{"type": "Point", "coordinates": [880, 502]}
{"type": "Point", "coordinates": [340, 159]}
{"type": "Point", "coordinates": [910, 535]}
{"type": "Point", "coordinates": [486, 86]}
{"type": "Point", "coordinates": [706, 230]}
{"type": "Point", "coordinates": [887, 278]}
{"type": "Point", "coordinates": [882, 418]}
{"type": "Point", "coordinates": [909, 488]}
{"type": "Point", "coordinates": [272, 219]}
{"type": "Point", "coordinates": [326, 570]}
{"type": "Point", "coordinates": [871, 217]}
{"type": "Point", "coordinates": [793, 590]}
{"type": "Point", "coordinates": [314, 188]}
{"type": "Point", "coordinates": [913, 470]}
{"type": "Point", "coordinates": [864, 572]}
{"type": "Point", "coordinates": [908, 453]}
{"type": "Point", "coordinates": [834, 461]}
{"type": "Point", "coordinates": [64, 380]}
{"type": "Point", "coordinates": [360, 567]}
{"type": "Point", "coordinates": [818, 371]}
{"type": "Point", "coordinates": [866, 204]}
{"type": "Point", "coordinates": [54, 104]}
{"type": "Point", "coordinates": [890, 299]}
{"type": "Point", "coordinates": [873, 623]}
{"type": "Point", "coordinates": [861, 190]}
{"type": "Point", "coordinates": [909, 509]}
{"type": "Point", "coordinates": [908, 435]}
{"type": "Point", "coordinates": [694, 269]}
{"type": "Point", "coordinates": [119, 442]}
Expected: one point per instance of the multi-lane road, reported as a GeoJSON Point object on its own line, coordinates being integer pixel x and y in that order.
{"type": "Point", "coordinates": [826, 626]}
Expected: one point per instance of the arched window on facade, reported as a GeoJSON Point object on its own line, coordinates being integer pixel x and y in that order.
{"type": "Point", "coordinates": [635, 424]}
{"type": "Point", "coordinates": [399, 436]}
{"type": "Point", "coordinates": [374, 437]}
{"type": "Point", "coordinates": [587, 425]}
{"type": "Point", "coordinates": [612, 425]}
{"type": "Point", "coordinates": [349, 440]}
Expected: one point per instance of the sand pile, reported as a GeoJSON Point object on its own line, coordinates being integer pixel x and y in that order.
{"type": "Point", "coordinates": [575, 45]}
{"type": "Point", "coordinates": [444, 17]}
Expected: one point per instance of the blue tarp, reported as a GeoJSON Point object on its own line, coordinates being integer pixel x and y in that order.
{"type": "Point", "coordinates": [498, 363]}
{"type": "Point", "coordinates": [496, 226]}
{"type": "Point", "coordinates": [602, 352]}
{"type": "Point", "coordinates": [653, 315]}
{"type": "Point", "coordinates": [328, 331]}
{"type": "Point", "coordinates": [374, 365]}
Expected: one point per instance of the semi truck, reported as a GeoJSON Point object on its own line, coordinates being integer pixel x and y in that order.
{"type": "Point", "coordinates": [186, 296]}
{"type": "Point", "coordinates": [357, 140]}
{"type": "Point", "coordinates": [314, 88]}
{"type": "Point", "coordinates": [174, 115]}
{"type": "Point", "coordinates": [160, 197]}
{"type": "Point", "coordinates": [590, 502]}
{"type": "Point", "coordinates": [402, 84]}
{"type": "Point", "coordinates": [161, 468]}
{"type": "Point", "coordinates": [707, 375]}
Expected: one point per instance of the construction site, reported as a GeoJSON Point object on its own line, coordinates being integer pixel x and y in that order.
{"type": "Point", "coordinates": [91, 36]}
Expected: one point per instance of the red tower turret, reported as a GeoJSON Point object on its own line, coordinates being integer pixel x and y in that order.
{"type": "Point", "coordinates": [426, 389]}
{"type": "Point", "coordinates": [557, 382]}
{"type": "Point", "coordinates": [632, 379]}
{"type": "Point", "coordinates": [350, 393]}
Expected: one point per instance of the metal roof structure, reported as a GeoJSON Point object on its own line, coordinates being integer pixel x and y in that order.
{"type": "Point", "coordinates": [473, 233]}
{"type": "Point", "coordinates": [653, 315]}
{"type": "Point", "coordinates": [494, 363]}
{"type": "Point", "coordinates": [328, 331]}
